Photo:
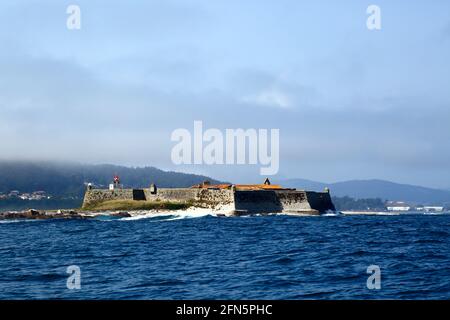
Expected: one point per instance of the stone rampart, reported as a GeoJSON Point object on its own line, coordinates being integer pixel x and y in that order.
{"type": "Point", "coordinates": [242, 201]}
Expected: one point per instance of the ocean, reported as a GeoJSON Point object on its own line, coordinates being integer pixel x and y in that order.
{"type": "Point", "coordinates": [209, 257]}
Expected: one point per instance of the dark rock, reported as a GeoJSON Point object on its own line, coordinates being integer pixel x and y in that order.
{"type": "Point", "coordinates": [121, 214]}
{"type": "Point", "coordinates": [33, 212]}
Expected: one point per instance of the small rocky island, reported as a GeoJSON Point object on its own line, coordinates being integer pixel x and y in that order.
{"type": "Point", "coordinates": [223, 199]}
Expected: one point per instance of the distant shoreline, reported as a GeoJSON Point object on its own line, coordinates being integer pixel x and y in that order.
{"type": "Point", "coordinates": [389, 213]}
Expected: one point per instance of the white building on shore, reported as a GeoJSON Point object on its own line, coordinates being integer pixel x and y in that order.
{"type": "Point", "coordinates": [433, 209]}
{"type": "Point", "coordinates": [397, 206]}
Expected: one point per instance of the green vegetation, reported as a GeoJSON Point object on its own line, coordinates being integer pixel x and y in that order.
{"type": "Point", "coordinates": [347, 203]}
{"type": "Point", "coordinates": [68, 179]}
{"type": "Point", "coordinates": [137, 205]}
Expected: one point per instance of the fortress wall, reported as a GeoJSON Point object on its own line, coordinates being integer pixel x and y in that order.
{"type": "Point", "coordinates": [265, 201]}
{"type": "Point", "coordinates": [320, 201]}
{"type": "Point", "coordinates": [208, 196]}
{"type": "Point", "coordinates": [216, 197]}
{"type": "Point", "coordinates": [212, 197]}
{"type": "Point", "coordinates": [172, 194]}
{"type": "Point", "coordinates": [261, 201]}
{"type": "Point", "coordinates": [100, 195]}
{"type": "Point", "coordinates": [293, 201]}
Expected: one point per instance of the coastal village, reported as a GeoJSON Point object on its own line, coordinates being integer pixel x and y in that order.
{"type": "Point", "coordinates": [400, 206]}
{"type": "Point", "coordinates": [35, 195]}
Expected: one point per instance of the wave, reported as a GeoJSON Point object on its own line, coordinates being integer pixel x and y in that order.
{"type": "Point", "coordinates": [332, 214]}
{"type": "Point", "coordinates": [172, 215]}
{"type": "Point", "coordinates": [19, 220]}
{"type": "Point", "coordinates": [10, 221]}
{"type": "Point", "coordinates": [435, 213]}
{"type": "Point", "coordinates": [371, 213]}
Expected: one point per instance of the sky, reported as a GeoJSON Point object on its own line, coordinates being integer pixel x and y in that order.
{"type": "Point", "coordinates": [350, 103]}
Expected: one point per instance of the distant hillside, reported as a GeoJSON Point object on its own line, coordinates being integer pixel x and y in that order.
{"type": "Point", "coordinates": [68, 179]}
{"type": "Point", "coordinates": [363, 189]}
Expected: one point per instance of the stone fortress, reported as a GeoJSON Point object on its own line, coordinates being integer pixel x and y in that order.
{"type": "Point", "coordinates": [228, 198]}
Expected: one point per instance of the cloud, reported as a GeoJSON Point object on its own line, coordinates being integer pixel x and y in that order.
{"type": "Point", "coordinates": [60, 110]}
{"type": "Point", "coordinates": [271, 97]}
{"type": "Point", "coordinates": [353, 106]}
{"type": "Point", "coordinates": [260, 88]}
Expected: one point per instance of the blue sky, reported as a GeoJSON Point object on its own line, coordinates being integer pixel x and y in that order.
{"type": "Point", "coordinates": [350, 103]}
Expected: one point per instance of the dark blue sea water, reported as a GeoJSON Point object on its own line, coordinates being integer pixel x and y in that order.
{"type": "Point", "coordinates": [271, 257]}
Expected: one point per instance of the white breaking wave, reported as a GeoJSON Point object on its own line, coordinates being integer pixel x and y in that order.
{"type": "Point", "coordinates": [435, 213]}
{"type": "Point", "coordinates": [172, 215]}
{"type": "Point", "coordinates": [19, 220]}
{"type": "Point", "coordinates": [370, 213]}
{"type": "Point", "coordinates": [337, 214]}
{"type": "Point", "coordinates": [9, 221]}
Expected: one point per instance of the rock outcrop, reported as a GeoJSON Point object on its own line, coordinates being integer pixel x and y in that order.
{"type": "Point", "coordinates": [35, 214]}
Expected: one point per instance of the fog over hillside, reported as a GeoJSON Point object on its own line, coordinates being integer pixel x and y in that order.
{"type": "Point", "coordinates": [64, 179]}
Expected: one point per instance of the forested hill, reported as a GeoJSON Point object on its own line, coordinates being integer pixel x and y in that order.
{"type": "Point", "coordinates": [365, 189]}
{"type": "Point", "coordinates": [63, 179]}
